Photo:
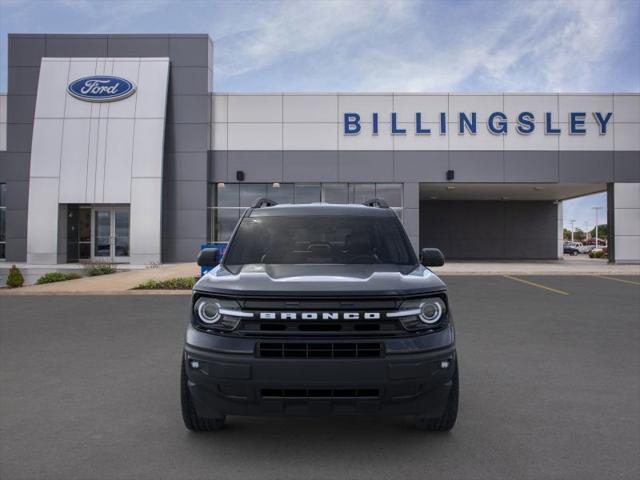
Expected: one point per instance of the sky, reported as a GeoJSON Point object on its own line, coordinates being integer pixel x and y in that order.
{"type": "Point", "coordinates": [378, 45]}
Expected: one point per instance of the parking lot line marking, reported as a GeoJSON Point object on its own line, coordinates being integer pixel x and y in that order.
{"type": "Point", "coordinates": [618, 279]}
{"type": "Point", "coordinates": [534, 284]}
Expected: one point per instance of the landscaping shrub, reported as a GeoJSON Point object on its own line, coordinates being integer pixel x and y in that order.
{"type": "Point", "coordinates": [52, 277]}
{"type": "Point", "coordinates": [100, 269]}
{"type": "Point", "coordinates": [596, 254]}
{"type": "Point", "coordinates": [179, 283]}
{"type": "Point", "coordinates": [15, 278]}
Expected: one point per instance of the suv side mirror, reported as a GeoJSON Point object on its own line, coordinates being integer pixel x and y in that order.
{"type": "Point", "coordinates": [208, 257]}
{"type": "Point", "coordinates": [431, 257]}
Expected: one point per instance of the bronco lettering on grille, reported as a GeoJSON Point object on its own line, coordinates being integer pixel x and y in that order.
{"type": "Point", "coordinates": [320, 316]}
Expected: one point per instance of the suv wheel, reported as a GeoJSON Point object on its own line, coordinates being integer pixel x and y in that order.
{"type": "Point", "coordinates": [575, 252]}
{"type": "Point", "coordinates": [191, 419]}
{"type": "Point", "coordinates": [445, 422]}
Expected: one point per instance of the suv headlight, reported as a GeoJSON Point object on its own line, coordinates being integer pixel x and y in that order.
{"type": "Point", "coordinates": [421, 313]}
{"type": "Point", "coordinates": [216, 314]}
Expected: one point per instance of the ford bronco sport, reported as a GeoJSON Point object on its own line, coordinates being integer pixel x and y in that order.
{"type": "Point", "coordinates": [319, 309]}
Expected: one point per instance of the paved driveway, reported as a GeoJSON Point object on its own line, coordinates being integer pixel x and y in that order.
{"type": "Point", "coordinates": [550, 389]}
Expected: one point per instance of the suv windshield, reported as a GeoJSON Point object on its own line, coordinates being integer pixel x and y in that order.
{"type": "Point", "coordinates": [334, 239]}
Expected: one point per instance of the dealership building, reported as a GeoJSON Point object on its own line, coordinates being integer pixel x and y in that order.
{"type": "Point", "coordinates": [117, 148]}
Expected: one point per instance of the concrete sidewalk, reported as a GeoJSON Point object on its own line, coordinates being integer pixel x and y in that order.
{"type": "Point", "coordinates": [581, 265]}
{"type": "Point", "coordinates": [116, 283]}
{"type": "Point", "coordinates": [124, 282]}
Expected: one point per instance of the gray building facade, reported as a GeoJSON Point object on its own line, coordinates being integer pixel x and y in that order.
{"type": "Point", "coordinates": [149, 177]}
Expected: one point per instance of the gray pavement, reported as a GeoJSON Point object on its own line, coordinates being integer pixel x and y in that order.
{"type": "Point", "coordinates": [550, 388]}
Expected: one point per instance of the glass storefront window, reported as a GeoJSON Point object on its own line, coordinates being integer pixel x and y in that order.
{"type": "Point", "coordinates": [390, 193]}
{"type": "Point", "coordinates": [228, 201]}
{"type": "Point", "coordinates": [250, 192]}
{"type": "Point", "coordinates": [335, 193]}
{"type": "Point", "coordinates": [361, 192]}
{"type": "Point", "coordinates": [280, 192]}
{"type": "Point", "coordinates": [307, 192]}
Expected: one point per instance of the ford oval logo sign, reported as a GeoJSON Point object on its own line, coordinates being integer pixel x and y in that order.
{"type": "Point", "coordinates": [101, 88]}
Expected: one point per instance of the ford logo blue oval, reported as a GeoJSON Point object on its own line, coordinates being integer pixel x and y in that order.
{"type": "Point", "coordinates": [101, 88]}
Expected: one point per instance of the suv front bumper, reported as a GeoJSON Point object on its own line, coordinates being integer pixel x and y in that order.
{"type": "Point", "coordinates": [226, 377]}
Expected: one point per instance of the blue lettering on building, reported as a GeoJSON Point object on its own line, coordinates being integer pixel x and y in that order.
{"type": "Point", "coordinates": [101, 88]}
{"type": "Point", "coordinates": [352, 123]}
{"type": "Point", "coordinates": [526, 123]}
{"type": "Point", "coordinates": [467, 123]}
{"type": "Point", "coordinates": [497, 127]}
{"type": "Point", "coordinates": [602, 121]}
{"type": "Point", "coordinates": [576, 123]}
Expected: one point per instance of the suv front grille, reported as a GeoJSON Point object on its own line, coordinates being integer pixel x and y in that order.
{"type": "Point", "coordinates": [319, 350]}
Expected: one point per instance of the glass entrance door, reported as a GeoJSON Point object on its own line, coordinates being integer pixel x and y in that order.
{"type": "Point", "coordinates": [111, 234]}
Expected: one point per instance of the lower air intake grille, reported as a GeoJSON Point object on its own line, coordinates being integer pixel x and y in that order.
{"type": "Point", "coordinates": [320, 393]}
{"type": "Point", "coordinates": [319, 350]}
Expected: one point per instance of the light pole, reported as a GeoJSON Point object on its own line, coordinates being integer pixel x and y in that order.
{"type": "Point", "coordinates": [572, 228]}
{"type": "Point", "coordinates": [596, 209]}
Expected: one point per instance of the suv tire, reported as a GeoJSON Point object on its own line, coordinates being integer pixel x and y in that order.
{"type": "Point", "coordinates": [445, 422]}
{"type": "Point", "coordinates": [191, 419]}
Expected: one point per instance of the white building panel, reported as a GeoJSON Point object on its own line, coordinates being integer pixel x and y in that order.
{"type": "Point", "coordinates": [533, 141]}
{"type": "Point", "coordinates": [592, 140]}
{"type": "Point", "coordinates": [628, 222]}
{"type": "Point", "coordinates": [626, 195]}
{"type": "Point", "coordinates": [79, 68]}
{"type": "Point", "coordinates": [219, 133]}
{"type": "Point", "coordinates": [146, 220]}
{"type": "Point", "coordinates": [365, 105]}
{"type": "Point", "coordinates": [626, 108]}
{"type": "Point", "coordinates": [47, 142]}
{"type": "Point", "coordinates": [365, 140]}
{"type": "Point", "coordinates": [411, 141]}
{"type": "Point", "coordinates": [53, 80]}
{"type": "Point", "coordinates": [482, 140]}
{"type": "Point", "coordinates": [219, 105]}
{"type": "Point", "coordinates": [430, 106]}
{"type": "Point", "coordinates": [118, 160]}
{"type": "Point", "coordinates": [255, 136]}
{"type": "Point", "coordinates": [151, 93]}
{"type": "Point", "coordinates": [539, 105]}
{"type": "Point", "coordinates": [586, 103]}
{"type": "Point", "coordinates": [310, 108]}
{"type": "Point", "coordinates": [483, 105]}
{"type": "Point", "coordinates": [255, 108]}
{"type": "Point", "coordinates": [92, 156]}
{"type": "Point", "coordinates": [102, 149]}
{"type": "Point", "coordinates": [125, 108]}
{"type": "Point", "coordinates": [627, 136]}
{"type": "Point", "coordinates": [74, 159]}
{"type": "Point", "coordinates": [148, 142]}
{"type": "Point", "coordinates": [310, 136]}
{"type": "Point", "coordinates": [42, 222]}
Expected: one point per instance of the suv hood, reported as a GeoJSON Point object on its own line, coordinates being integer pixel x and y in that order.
{"type": "Point", "coordinates": [310, 280]}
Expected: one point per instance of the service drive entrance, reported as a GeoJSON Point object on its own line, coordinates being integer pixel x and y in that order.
{"type": "Point", "coordinates": [98, 233]}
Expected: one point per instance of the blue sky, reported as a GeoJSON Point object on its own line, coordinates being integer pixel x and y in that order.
{"type": "Point", "coordinates": [370, 45]}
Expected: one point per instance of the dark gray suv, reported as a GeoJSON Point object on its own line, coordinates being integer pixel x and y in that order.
{"type": "Point", "coordinates": [320, 310]}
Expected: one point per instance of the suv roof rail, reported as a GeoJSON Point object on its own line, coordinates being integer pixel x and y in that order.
{"type": "Point", "coordinates": [264, 202]}
{"type": "Point", "coordinates": [376, 202]}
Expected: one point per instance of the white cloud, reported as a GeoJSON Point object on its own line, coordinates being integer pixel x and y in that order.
{"type": "Point", "coordinates": [413, 46]}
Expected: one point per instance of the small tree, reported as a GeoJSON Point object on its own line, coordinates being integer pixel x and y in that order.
{"type": "Point", "coordinates": [15, 278]}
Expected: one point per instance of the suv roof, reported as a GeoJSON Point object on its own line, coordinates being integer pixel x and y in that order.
{"type": "Point", "coordinates": [319, 209]}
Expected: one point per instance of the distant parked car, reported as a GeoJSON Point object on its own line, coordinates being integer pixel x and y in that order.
{"type": "Point", "coordinates": [571, 249]}
{"type": "Point", "coordinates": [586, 248]}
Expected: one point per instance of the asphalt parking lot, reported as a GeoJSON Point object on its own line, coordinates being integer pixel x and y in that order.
{"type": "Point", "coordinates": [550, 388]}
